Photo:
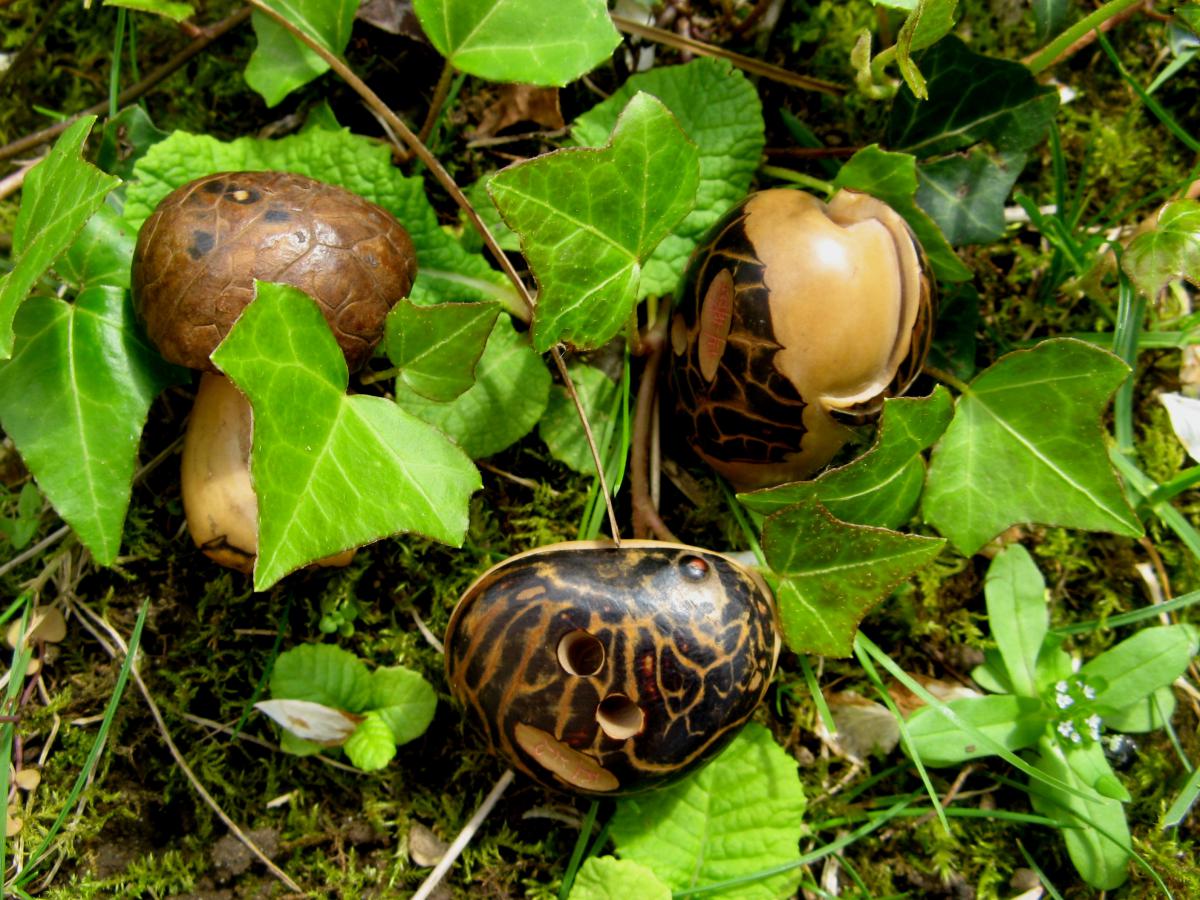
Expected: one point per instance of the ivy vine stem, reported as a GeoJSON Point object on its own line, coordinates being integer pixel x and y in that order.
{"type": "Point", "coordinates": [1049, 55]}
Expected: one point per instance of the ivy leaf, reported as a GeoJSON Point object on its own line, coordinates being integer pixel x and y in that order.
{"type": "Point", "coordinates": [719, 109]}
{"type": "Point", "coordinates": [1016, 605]}
{"type": "Point", "coordinates": [102, 252]}
{"type": "Point", "coordinates": [169, 8]}
{"type": "Point", "coordinates": [972, 98]}
{"type": "Point", "coordinates": [509, 396]}
{"type": "Point", "coordinates": [371, 746]}
{"type": "Point", "coordinates": [446, 270]}
{"type": "Point", "coordinates": [495, 39]}
{"type": "Point", "coordinates": [589, 218]}
{"type": "Point", "coordinates": [560, 427]}
{"type": "Point", "coordinates": [74, 398]}
{"type": "Point", "coordinates": [125, 139]}
{"type": "Point", "coordinates": [883, 486]}
{"type": "Point", "coordinates": [1050, 16]}
{"type": "Point", "coordinates": [740, 814]}
{"type": "Point", "coordinates": [965, 193]}
{"type": "Point", "coordinates": [403, 700]}
{"type": "Point", "coordinates": [1170, 251]}
{"type": "Point", "coordinates": [1026, 446]}
{"type": "Point", "coordinates": [831, 574]}
{"type": "Point", "coordinates": [281, 63]}
{"type": "Point", "coordinates": [332, 472]}
{"type": "Point", "coordinates": [322, 673]}
{"type": "Point", "coordinates": [892, 177]}
{"type": "Point", "coordinates": [609, 878]}
{"type": "Point", "coordinates": [61, 193]}
{"type": "Point", "coordinates": [436, 347]}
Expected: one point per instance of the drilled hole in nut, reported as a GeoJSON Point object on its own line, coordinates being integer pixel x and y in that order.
{"type": "Point", "coordinates": [694, 568]}
{"type": "Point", "coordinates": [619, 717]}
{"type": "Point", "coordinates": [580, 653]}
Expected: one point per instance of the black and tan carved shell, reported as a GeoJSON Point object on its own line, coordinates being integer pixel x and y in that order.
{"type": "Point", "coordinates": [606, 670]}
{"type": "Point", "coordinates": [795, 319]}
{"type": "Point", "coordinates": [199, 252]}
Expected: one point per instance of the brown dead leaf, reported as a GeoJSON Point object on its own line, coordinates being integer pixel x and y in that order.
{"type": "Point", "coordinates": [515, 103]}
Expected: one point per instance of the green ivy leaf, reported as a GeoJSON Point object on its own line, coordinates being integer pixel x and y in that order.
{"type": "Point", "coordinates": [589, 218]}
{"type": "Point", "coordinates": [332, 472]}
{"type": "Point", "coordinates": [1171, 250]}
{"type": "Point", "coordinates": [446, 270]}
{"type": "Point", "coordinates": [831, 574]}
{"type": "Point", "coordinates": [609, 878]}
{"type": "Point", "coordinates": [719, 109]}
{"type": "Point", "coordinates": [281, 63]}
{"type": "Point", "coordinates": [74, 398]}
{"type": "Point", "coordinates": [169, 8]}
{"type": "Point", "coordinates": [61, 193]}
{"type": "Point", "coordinates": [545, 42]}
{"type": "Point", "coordinates": [883, 486]}
{"type": "Point", "coordinates": [510, 393]}
{"type": "Point", "coordinates": [322, 673]}
{"type": "Point", "coordinates": [403, 700]}
{"type": "Point", "coordinates": [740, 814]}
{"type": "Point", "coordinates": [101, 254]}
{"type": "Point", "coordinates": [371, 746]}
{"type": "Point", "coordinates": [1140, 665]}
{"type": "Point", "coordinates": [972, 98]}
{"type": "Point", "coordinates": [1102, 863]}
{"type": "Point", "coordinates": [560, 427]}
{"type": "Point", "coordinates": [436, 347]}
{"type": "Point", "coordinates": [1026, 446]}
{"type": "Point", "coordinates": [965, 193]}
{"type": "Point", "coordinates": [125, 139]}
{"type": "Point", "coordinates": [1014, 722]}
{"type": "Point", "coordinates": [1049, 16]}
{"type": "Point", "coordinates": [892, 177]}
{"type": "Point", "coordinates": [1016, 605]}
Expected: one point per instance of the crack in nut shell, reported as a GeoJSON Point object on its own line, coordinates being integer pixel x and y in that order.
{"type": "Point", "coordinates": [605, 670]}
{"type": "Point", "coordinates": [202, 248]}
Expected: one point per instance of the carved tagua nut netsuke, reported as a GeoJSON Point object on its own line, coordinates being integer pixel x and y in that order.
{"type": "Point", "coordinates": [605, 670]}
{"type": "Point", "coordinates": [795, 319]}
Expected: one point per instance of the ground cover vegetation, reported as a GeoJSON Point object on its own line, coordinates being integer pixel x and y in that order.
{"type": "Point", "coordinates": [988, 684]}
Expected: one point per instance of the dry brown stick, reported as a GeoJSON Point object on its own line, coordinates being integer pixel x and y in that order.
{"type": "Point", "coordinates": [156, 713]}
{"type": "Point", "coordinates": [27, 143]}
{"type": "Point", "coordinates": [749, 64]}
{"type": "Point", "coordinates": [440, 93]}
{"type": "Point", "coordinates": [646, 520]}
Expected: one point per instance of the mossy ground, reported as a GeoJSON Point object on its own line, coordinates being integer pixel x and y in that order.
{"type": "Point", "coordinates": [143, 832]}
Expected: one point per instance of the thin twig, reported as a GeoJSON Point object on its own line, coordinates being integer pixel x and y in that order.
{"type": "Point", "coordinates": [464, 837]}
{"type": "Point", "coordinates": [206, 37]}
{"type": "Point", "coordinates": [440, 93]}
{"type": "Point", "coordinates": [591, 442]}
{"type": "Point", "coordinates": [237, 832]}
{"type": "Point", "coordinates": [49, 541]}
{"type": "Point", "coordinates": [754, 66]}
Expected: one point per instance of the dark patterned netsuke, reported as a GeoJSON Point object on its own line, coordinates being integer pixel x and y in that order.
{"type": "Point", "coordinates": [749, 411]}
{"type": "Point", "coordinates": [607, 670]}
{"type": "Point", "coordinates": [198, 255]}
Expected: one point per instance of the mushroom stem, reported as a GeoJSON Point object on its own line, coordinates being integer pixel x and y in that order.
{"type": "Point", "coordinates": [218, 496]}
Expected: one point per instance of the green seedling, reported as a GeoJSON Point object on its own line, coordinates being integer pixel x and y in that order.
{"type": "Point", "coordinates": [325, 697]}
{"type": "Point", "coordinates": [19, 530]}
{"type": "Point", "coordinates": [1043, 702]}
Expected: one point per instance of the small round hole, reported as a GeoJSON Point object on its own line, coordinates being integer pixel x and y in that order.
{"type": "Point", "coordinates": [580, 653]}
{"type": "Point", "coordinates": [694, 568]}
{"type": "Point", "coordinates": [619, 717]}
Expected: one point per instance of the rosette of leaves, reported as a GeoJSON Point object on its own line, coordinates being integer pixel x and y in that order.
{"type": "Point", "coordinates": [1056, 711]}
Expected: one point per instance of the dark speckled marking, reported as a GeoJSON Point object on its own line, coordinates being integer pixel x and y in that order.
{"type": "Point", "coordinates": [213, 187]}
{"type": "Point", "coordinates": [277, 215]}
{"type": "Point", "coordinates": [202, 243]}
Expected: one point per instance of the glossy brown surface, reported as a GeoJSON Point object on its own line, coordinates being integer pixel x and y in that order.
{"type": "Point", "coordinates": [198, 255]}
{"type": "Point", "coordinates": [605, 670]}
{"type": "Point", "coordinates": [795, 319]}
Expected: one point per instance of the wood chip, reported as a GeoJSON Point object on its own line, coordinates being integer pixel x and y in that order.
{"type": "Point", "coordinates": [424, 847]}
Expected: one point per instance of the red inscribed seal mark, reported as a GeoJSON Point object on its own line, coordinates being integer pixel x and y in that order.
{"type": "Point", "coordinates": [716, 316]}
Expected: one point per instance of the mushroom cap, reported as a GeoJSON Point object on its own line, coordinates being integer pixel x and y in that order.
{"type": "Point", "coordinates": [202, 248]}
{"type": "Point", "coordinates": [795, 319]}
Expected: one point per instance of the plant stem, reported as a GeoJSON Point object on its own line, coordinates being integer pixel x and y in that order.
{"type": "Point", "coordinates": [1131, 309]}
{"type": "Point", "coordinates": [114, 74]}
{"type": "Point", "coordinates": [1058, 48]}
{"type": "Point", "coordinates": [947, 378]}
{"type": "Point", "coordinates": [792, 175]}
{"type": "Point", "coordinates": [435, 104]}
{"type": "Point", "coordinates": [1185, 480]}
